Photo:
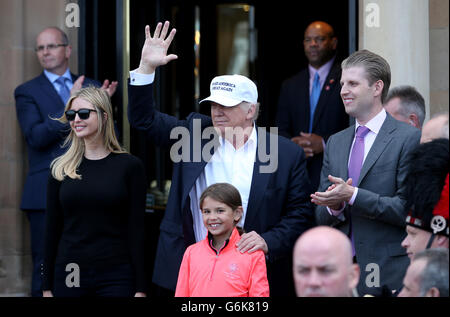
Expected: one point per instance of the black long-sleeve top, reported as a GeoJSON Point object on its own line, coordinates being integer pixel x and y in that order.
{"type": "Point", "coordinates": [97, 221]}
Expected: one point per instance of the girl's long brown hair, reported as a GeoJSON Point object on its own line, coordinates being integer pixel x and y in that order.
{"type": "Point", "coordinates": [226, 194]}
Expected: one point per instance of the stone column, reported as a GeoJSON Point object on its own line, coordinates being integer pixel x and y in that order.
{"type": "Point", "coordinates": [20, 22]}
{"type": "Point", "coordinates": [399, 31]}
{"type": "Point", "coordinates": [439, 97]}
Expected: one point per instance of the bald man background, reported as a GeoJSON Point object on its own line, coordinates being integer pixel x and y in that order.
{"type": "Point", "coordinates": [323, 264]}
{"type": "Point", "coordinates": [435, 128]}
{"type": "Point", "coordinates": [310, 109]}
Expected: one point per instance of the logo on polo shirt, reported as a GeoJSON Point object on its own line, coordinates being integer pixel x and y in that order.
{"type": "Point", "coordinates": [233, 272]}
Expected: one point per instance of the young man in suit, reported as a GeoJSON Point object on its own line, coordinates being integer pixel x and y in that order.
{"type": "Point", "coordinates": [276, 202]}
{"type": "Point", "coordinates": [310, 109]}
{"type": "Point", "coordinates": [38, 102]}
{"type": "Point", "coordinates": [362, 190]}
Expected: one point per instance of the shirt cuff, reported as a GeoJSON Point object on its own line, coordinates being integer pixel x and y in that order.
{"type": "Point", "coordinates": [337, 213]}
{"type": "Point", "coordinates": [137, 79]}
{"type": "Point", "coordinates": [352, 200]}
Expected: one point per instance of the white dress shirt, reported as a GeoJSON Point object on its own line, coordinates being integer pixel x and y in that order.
{"type": "Point", "coordinates": [137, 79]}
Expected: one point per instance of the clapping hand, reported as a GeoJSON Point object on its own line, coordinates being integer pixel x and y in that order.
{"type": "Point", "coordinates": [154, 51]}
{"type": "Point", "coordinates": [110, 88]}
{"type": "Point", "coordinates": [338, 192]}
{"type": "Point", "coordinates": [77, 84]}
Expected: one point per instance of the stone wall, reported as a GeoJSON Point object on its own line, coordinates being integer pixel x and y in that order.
{"type": "Point", "coordinates": [20, 22]}
{"type": "Point", "coordinates": [398, 31]}
{"type": "Point", "coordinates": [413, 35]}
{"type": "Point", "coordinates": [439, 36]}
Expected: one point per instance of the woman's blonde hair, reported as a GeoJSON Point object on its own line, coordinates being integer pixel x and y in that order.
{"type": "Point", "coordinates": [68, 163]}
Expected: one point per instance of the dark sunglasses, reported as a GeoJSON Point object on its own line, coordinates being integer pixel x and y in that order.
{"type": "Point", "coordinates": [83, 114]}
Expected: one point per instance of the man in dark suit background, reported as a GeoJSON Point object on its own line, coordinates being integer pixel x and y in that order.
{"type": "Point", "coordinates": [276, 203]}
{"type": "Point", "coordinates": [303, 92]}
{"type": "Point", "coordinates": [362, 186]}
{"type": "Point", "coordinates": [38, 102]}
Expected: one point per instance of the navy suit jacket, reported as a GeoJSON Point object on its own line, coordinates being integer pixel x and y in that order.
{"type": "Point", "coordinates": [293, 114]}
{"type": "Point", "coordinates": [37, 102]}
{"type": "Point", "coordinates": [279, 207]}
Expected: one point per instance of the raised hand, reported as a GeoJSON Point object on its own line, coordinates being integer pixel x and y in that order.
{"type": "Point", "coordinates": [154, 51]}
{"type": "Point", "coordinates": [77, 85]}
{"type": "Point", "coordinates": [110, 88]}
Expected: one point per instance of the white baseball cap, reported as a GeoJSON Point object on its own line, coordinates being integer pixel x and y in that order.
{"type": "Point", "coordinates": [231, 90]}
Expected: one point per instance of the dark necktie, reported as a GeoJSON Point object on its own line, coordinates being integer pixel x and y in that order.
{"type": "Point", "coordinates": [64, 92]}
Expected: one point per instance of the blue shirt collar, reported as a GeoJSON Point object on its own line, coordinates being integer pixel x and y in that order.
{"type": "Point", "coordinates": [52, 77]}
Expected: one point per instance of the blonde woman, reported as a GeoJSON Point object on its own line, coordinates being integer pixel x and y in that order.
{"type": "Point", "coordinates": [94, 241]}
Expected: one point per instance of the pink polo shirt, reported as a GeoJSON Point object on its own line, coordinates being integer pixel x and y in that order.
{"type": "Point", "coordinates": [206, 272]}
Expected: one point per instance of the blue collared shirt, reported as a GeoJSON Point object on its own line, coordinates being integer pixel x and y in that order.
{"type": "Point", "coordinates": [53, 77]}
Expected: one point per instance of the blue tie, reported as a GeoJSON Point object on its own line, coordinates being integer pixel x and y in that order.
{"type": "Point", "coordinates": [313, 99]}
{"type": "Point", "coordinates": [64, 92]}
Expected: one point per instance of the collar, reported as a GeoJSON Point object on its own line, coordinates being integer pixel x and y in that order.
{"type": "Point", "coordinates": [233, 239]}
{"type": "Point", "coordinates": [323, 70]}
{"type": "Point", "coordinates": [375, 123]}
{"type": "Point", "coordinates": [251, 141]}
{"type": "Point", "coordinates": [53, 77]}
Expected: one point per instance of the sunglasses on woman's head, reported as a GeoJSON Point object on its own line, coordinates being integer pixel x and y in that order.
{"type": "Point", "coordinates": [83, 114]}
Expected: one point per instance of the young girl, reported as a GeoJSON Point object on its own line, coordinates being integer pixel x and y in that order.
{"type": "Point", "coordinates": [214, 267]}
{"type": "Point", "coordinates": [94, 238]}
